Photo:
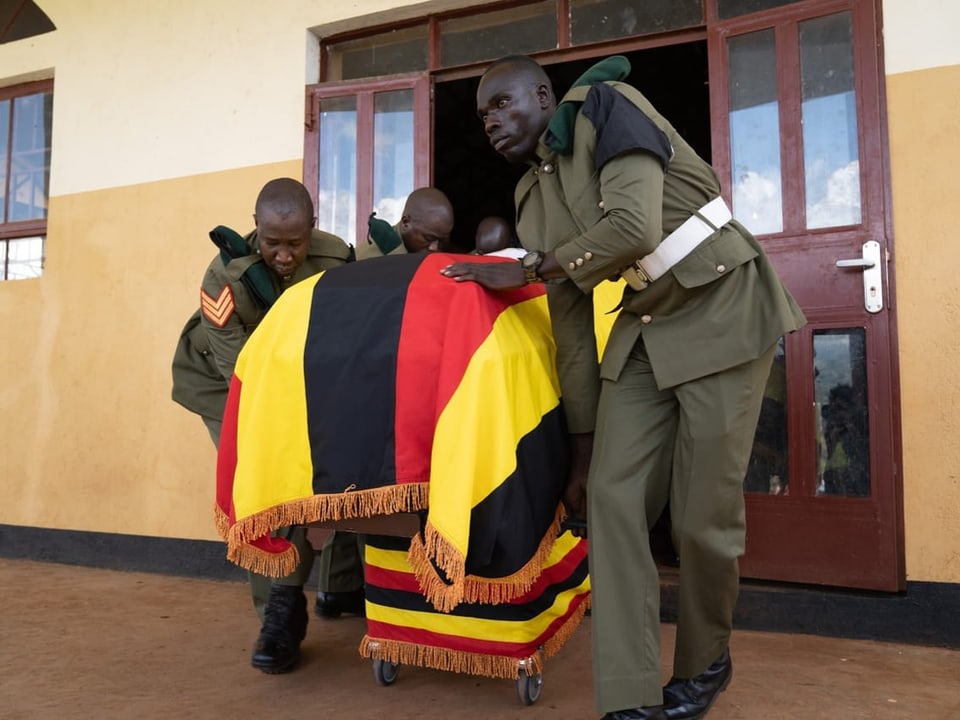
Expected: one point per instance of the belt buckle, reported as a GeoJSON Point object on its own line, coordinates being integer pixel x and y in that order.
{"type": "Point", "coordinates": [636, 277]}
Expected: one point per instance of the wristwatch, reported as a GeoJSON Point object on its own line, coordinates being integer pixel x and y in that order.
{"type": "Point", "coordinates": [531, 263]}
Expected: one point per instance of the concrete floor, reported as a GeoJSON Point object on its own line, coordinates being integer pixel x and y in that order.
{"type": "Point", "coordinates": [84, 643]}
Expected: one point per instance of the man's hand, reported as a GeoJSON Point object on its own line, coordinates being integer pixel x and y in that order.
{"type": "Point", "coordinates": [493, 276]}
{"type": "Point", "coordinates": [575, 494]}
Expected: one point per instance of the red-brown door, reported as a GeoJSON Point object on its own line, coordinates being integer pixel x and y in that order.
{"type": "Point", "coordinates": [798, 142]}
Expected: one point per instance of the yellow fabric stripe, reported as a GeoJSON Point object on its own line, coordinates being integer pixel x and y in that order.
{"type": "Point", "coordinates": [471, 627]}
{"type": "Point", "coordinates": [606, 297]}
{"type": "Point", "coordinates": [280, 402]}
{"type": "Point", "coordinates": [509, 384]}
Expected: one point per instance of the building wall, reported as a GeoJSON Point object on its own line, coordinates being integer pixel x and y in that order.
{"type": "Point", "coordinates": [923, 111]}
{"type": "Point", "coordinates": [168, 118]}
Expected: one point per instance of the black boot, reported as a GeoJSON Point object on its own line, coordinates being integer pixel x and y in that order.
{"type": "Point", "coordinates": [284, 626]}
{"type": "Point", "coordinates": [332, 605]}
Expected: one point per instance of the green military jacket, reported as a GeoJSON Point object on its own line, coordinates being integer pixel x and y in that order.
{"type": "Point", "coordinates": [212, 338]}
{"type": "Point", "coordinates": [722, 305]}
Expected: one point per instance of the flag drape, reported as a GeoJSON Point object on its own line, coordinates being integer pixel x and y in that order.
{"type": "Point", "coordinates": [382, 387]}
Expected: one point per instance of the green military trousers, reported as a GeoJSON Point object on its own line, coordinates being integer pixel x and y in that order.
{"type": "Point", "coordinates": [341, 566]}
{"type": "Point", "coordinates": [689, 444]}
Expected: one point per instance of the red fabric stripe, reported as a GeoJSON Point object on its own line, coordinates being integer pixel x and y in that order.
{"type": "Point", "coordinates": [227, 453]}
{"type": "Point", "coordinates": [388, 631]}
{"type": "Point", "coordinates": [391, 579]}
{"type": "Point", "coordinates": [428, 350]}
{"type": "Point", "coordinates": [556, 573]}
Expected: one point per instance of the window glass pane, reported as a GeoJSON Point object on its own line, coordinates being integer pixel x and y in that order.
{"type": "Point", "coordinates": [594, 20]}
{"type": "Point", "coordinates": [393, 156]}
{"type": "Point", "coordinates": [831, 155]}
{"type": "Point", "coordinates": [733, 8]}
{"type": "Point", "coordinates": [30, 157]}
{"type": "Point", "coordinates": [337, 168]}
{"type": "Point", "coordinates": [755, 132]}
{"type": "Point", "coordinates": [521, 30]}
{"type": "Point", "coordinates": [389, 53]}
{"type": "Point", "coordinates": [767, 471]}
{"type": "Point", "coordinates": [24, 258]}
{"type": "Point", "coordinates": [840, 397]}
{"type": "Point", "coordinates": [4, 134]}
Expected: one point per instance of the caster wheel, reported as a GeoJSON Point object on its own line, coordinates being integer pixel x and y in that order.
{"type": "Point", "coordinates": [385, 672]}
{"type": "Point", "coordinates": [529, 687]}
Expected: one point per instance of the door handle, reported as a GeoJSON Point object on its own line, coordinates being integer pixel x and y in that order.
{"type": "Point", "coordinates": [870, 264]}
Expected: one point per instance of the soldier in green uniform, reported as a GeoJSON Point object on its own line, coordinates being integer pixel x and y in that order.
{"type": "Point", "coordinates": [612, 189]}
{"type": "Point", "coordinates": [425, 225]}
{"type": "Point", "coordinates": [239, 286]}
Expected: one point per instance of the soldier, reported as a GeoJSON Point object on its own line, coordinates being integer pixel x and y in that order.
{"type": "Point", "coordinates": [612, 189]}
{"type": "Point", "coordinates": [239, 286]}
{"type": "Point", "coordinates": [425, 225]}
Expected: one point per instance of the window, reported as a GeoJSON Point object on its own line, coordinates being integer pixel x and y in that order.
{"type": "Point", "coordinates": [26, 113]}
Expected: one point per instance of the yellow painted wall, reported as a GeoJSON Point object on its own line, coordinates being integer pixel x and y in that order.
{"type": "Point", "coordinates": [170, 114]}
{"type": "Point", "coordinates": [923, 109]}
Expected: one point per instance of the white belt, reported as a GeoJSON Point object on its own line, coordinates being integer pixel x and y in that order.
{"type": "Point", "coordinates": [678, 244]}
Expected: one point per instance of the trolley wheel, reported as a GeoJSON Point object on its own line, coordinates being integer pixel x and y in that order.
{"type": "Point", "coordinates": [385, 672]}
{"type": "Point", "coordinates": [529, 687]}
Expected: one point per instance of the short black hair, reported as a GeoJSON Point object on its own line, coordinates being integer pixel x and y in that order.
{"type": "Point", "coordinates": [525, 65]}
{"type": "Point", "coordinates": [285, 196]}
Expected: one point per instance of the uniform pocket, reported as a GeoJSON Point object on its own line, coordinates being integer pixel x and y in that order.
{"type": "Point", "coordinates": [714, 258]}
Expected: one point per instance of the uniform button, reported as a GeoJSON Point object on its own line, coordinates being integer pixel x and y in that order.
{"type": "Point", "coordinates": [579, 262]}
{"type": "Point", "coordinates": [721, 268]}
{"type": "Point", "coordinates": [646, 319]}
{"type": "Point", "coordinates": [600, 204]}
{"type": "Point", "coordinates": [548, 168]}
{"type": "Point", "coordinates": [572, 266]}
{"type": "Point", "coordinates": [588, 255]}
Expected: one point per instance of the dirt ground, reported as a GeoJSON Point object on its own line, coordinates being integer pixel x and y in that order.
{"type": "Point", "coordinates": [83, 643]}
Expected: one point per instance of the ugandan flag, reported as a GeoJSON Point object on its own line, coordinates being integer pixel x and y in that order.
{"type": "Point", "coordinates": [478, 639]}
{"type": "Point", "coordinates": [382, 387]}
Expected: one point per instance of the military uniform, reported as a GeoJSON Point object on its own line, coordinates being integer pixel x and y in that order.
{"type": "Point", "coordinates": [382, 239]}
{"type": "Point", "coordinates": [203, 365]}
{"type": "Point", "coordinates": [674, 405]}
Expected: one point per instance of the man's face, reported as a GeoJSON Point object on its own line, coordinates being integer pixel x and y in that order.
{"type": "Point", "coordinates": [427, 233]}
{"type": "Point", "coordinates": [284, 240]}
{"type": "Point", "coordinates": [514, 111]}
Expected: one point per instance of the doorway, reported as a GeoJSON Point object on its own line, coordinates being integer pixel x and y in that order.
{"type": "Point", "coordinates": [480, 183]}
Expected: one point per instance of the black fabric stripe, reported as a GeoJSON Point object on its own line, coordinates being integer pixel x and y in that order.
{"type": "Point", "coordinates": [522, 508]}
{"type": "Point", "coordinates": [503, 611]}
{"type": "Point", "coordinates": [349, 366]}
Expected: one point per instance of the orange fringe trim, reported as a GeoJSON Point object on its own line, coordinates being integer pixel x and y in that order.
{"type": "Point", "coordinates": [445, 595]}
{"type": "Point", "coordinates": [221, 522]}
{"type": "Point", "coordinates": [408, 497]}
{"type": "Point", "coordinates": [459, 661]}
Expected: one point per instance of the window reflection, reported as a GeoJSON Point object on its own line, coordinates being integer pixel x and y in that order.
{"type": "Point", "coordinates": [24, 258]}
{"type": "Point", "coordinates": [831, 155]}
{"type": "Point", "coordinates": [767, 471]}
{"type": "Point", "coordinates": [337, 168]}
{"type": "Point", "coordinates": [521, 30]}
{"type": "Point", "coordinates": [595, 20]}
{"type": "Point", "coordinates": [755, 132]}
{"type": "Point", "coordinates": [840, 395]}
{"type": "Point", "coordinates": [393, 156]}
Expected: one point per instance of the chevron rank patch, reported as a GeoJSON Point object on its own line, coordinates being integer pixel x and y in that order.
{"type": "Point", "coordinates": [217, 309]}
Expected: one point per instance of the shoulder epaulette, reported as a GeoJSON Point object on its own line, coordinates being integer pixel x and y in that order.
{"type": "Point", "coordinates": [255, 278]}
{"type": "Point", "coordinates": [383, 234]}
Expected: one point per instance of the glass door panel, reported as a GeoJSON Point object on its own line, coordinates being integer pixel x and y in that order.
{"type": "Point", "coordinates": [831, 155]}
{"type": "Point", "coordinates": [337, 169]}
{"type": "Point", "coordinates": [840, 398]}
{"type": "Point", "coordinates": [393, 156]}
{"type": "Point", "coordinates": [755, 132]}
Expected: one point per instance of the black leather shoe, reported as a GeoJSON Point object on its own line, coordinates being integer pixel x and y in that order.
{"type": "Point", "coordinates": [643, 713]}
{"type": "Point", "coordinates": [332, 605]}
{"type": "Point", "coordinates": [691, 699]}
{"type": "Point", "coordinates": [277, 649]}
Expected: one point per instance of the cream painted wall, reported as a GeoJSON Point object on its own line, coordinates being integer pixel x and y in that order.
{"type": "Point", "coordinates": [920, 34]}
{"type": "Point", "coordinates": [923, 110]}
{"type": "Point", "coordinates": [88, 434]}
{"type": "Point", "coordinates": [155, 89]}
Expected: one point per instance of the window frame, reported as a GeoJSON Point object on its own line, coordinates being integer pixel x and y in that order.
{"type": "Point", "coordinates": [19, 229]}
